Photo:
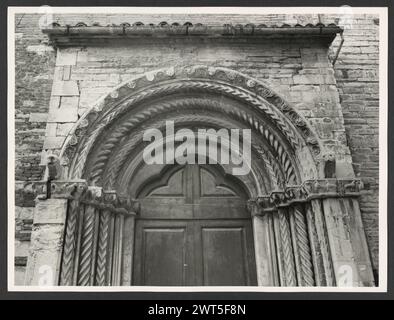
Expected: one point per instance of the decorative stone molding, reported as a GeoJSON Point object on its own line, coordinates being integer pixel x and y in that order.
{"type": "Point", "coordinates": [131, 131]}
{"type": "Point", "coordinates": [60, 189]}
{"type": "Point", "coordinates": [143, 89]}
{"type": "Point", "coordinates": [90, 195]}
{"type": "Point", "coordinates": [309, 190]}
{"type": "Point", "coordinates": [110, 200]}
{"type": "Point", "coordinates": [82, 33]}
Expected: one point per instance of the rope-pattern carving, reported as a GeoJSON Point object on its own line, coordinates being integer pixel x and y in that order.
{"type": "Point", "coordinates": [137, 119]}
{"type": "Point", "coordinates": [168, 88]}
{"type": "Point", "coordinates": [118, 160]}
{"type": "Point", "coordinates": [66, 276]}
{"type": "Point", "coordinates": [120, 157]}
{"type": "Point", "coordinates": [323, 242]}
{"type": "Point", "coordinates": [102, 248]}
{"type": "Point", "coordinates": [274, 171]}
{"type": "Point", "coordinates": [85, 261]}
{"type": "Point", "coordinates": [303, 246]}
{"type": "Point", "coordinates": [287, 250]}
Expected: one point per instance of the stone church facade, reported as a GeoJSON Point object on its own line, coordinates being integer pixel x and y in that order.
{"type": "Point", "coordinates": [93, 213]}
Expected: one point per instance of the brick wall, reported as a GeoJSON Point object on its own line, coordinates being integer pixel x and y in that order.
{"type": "Point", "coordinates": [305, 77]}
{"type": "Point", "coordinates": [33, 83]}
{"type": "Point", "coordinates": [356, 72]}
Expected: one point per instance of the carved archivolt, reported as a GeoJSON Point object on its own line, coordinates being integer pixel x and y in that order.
{"type": "Point", "coordinates": [112, 154]}
{"type": "Point", "coordinates": [261, 102]}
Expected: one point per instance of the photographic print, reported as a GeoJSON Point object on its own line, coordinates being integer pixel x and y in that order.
{"type": "Point", "coordinates": [197, 149]}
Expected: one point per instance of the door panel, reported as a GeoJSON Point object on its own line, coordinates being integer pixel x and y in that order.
{"type": "Point", "coordinates": [161, 248]}
{"type": "Point", "coordinates": [194, 229]}
{"type": "Point", "coordinates": [225, 253]}
{"type": "Point", "coordinates": [194, 252]}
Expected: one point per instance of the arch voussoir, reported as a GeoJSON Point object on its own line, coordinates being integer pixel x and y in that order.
{"type": "Point", "coordinates": [197, 79]}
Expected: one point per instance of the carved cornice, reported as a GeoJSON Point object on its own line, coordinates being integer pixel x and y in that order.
{"type": "Point", "coordinates": [310, 189]}
{"type": "Point", "coordinates": [83, 33]}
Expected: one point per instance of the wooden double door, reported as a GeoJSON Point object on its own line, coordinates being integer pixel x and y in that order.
{"type": "Point", "coordinates": [194, 230]}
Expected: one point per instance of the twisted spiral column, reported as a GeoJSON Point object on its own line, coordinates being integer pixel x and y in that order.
{"type": "Point", "coordinates": [286, 250]}
{"type": "Point", "coordinates": [86, 253]}
{"type": "Point", "coordinates": [102, 248]}
{"type": "Point", "coordinates": [67, 268]}
{"type": "Point", "coordinates": [302, 247]}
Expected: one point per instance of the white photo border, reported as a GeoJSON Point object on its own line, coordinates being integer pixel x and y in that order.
{"type": "Point", "coordinates": [383, 142]}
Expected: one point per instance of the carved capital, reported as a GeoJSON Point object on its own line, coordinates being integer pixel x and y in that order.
{"type": "Point", "coordinates": [108, 200]}
{"type": "Point", "coordinates": [254, 207]}
{"type": "Point", "coordinates": [68, 189]}
{"type": "Point", "coordinates": [310, 189]}
{"type": "Point", "coordinates": [278, 198]}
{"type": "Point", "coordinates": [111, 201]}
{"type": "Point", "coordinates": [93, 196]}
{"type": "Point", "coordinates": [324, 188]}
{"type": "Point", "coordinates": [41, 189]}
{"type": "Point", "coordinates": [125, 205]}
{"type": "Point", "coordinates": [266, 204]}
{"type": "Point", "coordinates": [295, 193]}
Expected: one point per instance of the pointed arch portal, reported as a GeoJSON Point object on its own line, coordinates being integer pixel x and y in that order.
{"type": "Point", "coordinates": [130, 223]}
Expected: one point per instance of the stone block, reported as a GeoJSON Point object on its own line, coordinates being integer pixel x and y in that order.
{"type": "Point", "coordinates": [50, 211]}
{"type": "Point", "coordinates": [69, 103]}
{"type": "Point", "coordinates": [65, 88]}
{"type": "Point", "coordinates": [63, 129]}
{"type": "Point", "coordinates": [91, 95]}
{"type": "Point", "coordinates": [51, 130]}
{"type": "Point", "coordinates": [63, 115]}
{"type": "Point", "coordinates": [54, 103]}
{"type": "Point", "coordinates": [53, 142]}
{"type": "Point", "coordinates": [38, 117]}
{"type": "Point", "coordinates": [67, 111]}
{"type": "Point", "coordinates": [82, 56]}
{"type": "Point", "coordinates": [66, 58]}
{"type": "Point", "coordinates": [308, 79]}
{"type": "Point", "coordinates": [66, 72]}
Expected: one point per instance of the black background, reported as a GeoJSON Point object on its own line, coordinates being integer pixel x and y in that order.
{"type": "Point", "coordinates": [138, 309]}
